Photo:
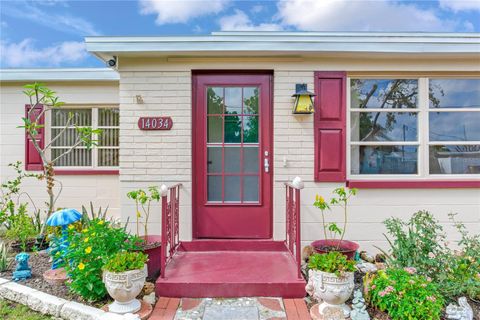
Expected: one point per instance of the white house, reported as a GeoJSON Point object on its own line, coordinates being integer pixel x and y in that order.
{"type": "Point", "coordinates": [396, 115]}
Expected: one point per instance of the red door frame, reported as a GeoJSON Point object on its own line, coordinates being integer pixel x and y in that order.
{"type": "Point", "coordinates": [232, 77]}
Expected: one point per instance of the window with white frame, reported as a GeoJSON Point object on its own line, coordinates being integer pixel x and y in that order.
{"type": "Point", "coordinates": [416, 127]}
{"type": "Point", "coordinates": [105, 155]}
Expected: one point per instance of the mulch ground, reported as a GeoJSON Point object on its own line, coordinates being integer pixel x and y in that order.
{"type": "Point", "coordinates": [39, 262]}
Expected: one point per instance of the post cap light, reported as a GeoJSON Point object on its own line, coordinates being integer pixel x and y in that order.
{"type": "Point", "coordinates": [303, 99]}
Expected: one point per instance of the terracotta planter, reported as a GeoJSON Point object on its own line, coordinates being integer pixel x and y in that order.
{"type": "Point", "coordinates": [333, 291]}
{"type": "Point", "coordinates": [347, 248]}
{"type": "Point", "coordinates": [152, 247]}
{"type": "Point", "coordinates": [124, 287]}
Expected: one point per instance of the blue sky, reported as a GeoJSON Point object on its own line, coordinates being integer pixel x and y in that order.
{"type": "Point", "coordinates": [50, 33]}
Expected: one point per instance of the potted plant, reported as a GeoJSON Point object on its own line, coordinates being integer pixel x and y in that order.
{"type": "Point", "coordinates": [151, 245]}
{"type": "Point", "coordinates": [330, 280]}
{"type": "Point", "coordinates": [334, 241]}
{"type": "Point", "coordinates": [124, 277]}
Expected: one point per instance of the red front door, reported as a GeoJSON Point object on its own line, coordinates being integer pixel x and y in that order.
{"type": "Point", "coordinates": [232, 156]}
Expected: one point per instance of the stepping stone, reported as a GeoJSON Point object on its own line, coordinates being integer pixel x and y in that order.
{"type": "Point", "coordinates": [231, 313]}
{"type": "Point", "coordinates": [270, 303]}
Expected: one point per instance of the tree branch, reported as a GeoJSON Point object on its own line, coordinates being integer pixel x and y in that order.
{"type": "Point", "coordinates": [387, 97]}
{"type": "Point", "coordinates": [67, 126]}
{"type": "Point", "coordinates": [76, 144]}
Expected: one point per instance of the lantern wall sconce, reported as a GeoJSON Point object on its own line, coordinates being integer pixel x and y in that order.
{"type": "Point", "coordinates": [303, 100]}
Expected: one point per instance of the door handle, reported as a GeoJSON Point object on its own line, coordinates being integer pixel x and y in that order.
{"type": "Point", "coordinates": [266, 165]}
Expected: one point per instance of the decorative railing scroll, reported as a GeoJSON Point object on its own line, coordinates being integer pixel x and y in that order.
{"type": "Point", "coordinates": [293, 237]}
{"type": "Point", "coordinates": [170, 224]}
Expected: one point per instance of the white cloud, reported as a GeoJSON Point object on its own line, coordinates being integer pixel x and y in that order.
{"type": "Point", "coordinates": [64, 22]}
{"type": "Point", "coordinates": [373, 15]}
{"type": "Point", "coordinates": [26, 54]}
{"type": "Point", "coordinates": [460, 5]}
{"type": "Point", "coordinates": [241, 22]}
{"type": "Point", "coordinates": [257, 8]}
{"type": "Point", "coordinates": [180, 11]}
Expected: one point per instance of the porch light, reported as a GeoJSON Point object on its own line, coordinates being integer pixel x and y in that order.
{"type": "Point", "coordinates": [303, 99]}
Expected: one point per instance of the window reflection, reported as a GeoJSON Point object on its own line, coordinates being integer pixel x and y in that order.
{"type": "Point", "coordinates": [384, 93]}
{"type": "Point", "coordinates": [454, 126]}
{"type": "Point", "coordinates": [454, 93]}
{"type": "Point", "coordinates": [455, 159]}
{"type": "Point", "coordinates": [384, 159]}
{"type": "Point", "coordinates": [384, 126]}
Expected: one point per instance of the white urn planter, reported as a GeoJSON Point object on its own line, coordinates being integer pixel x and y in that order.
{"type": "Point", "coordinates": [124, 287]}
{"type": "Point", "coordinates": [330, 290]}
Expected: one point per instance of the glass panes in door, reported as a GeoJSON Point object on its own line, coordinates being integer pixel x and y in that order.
{"type": "Point", "coordinates": [233, 149]}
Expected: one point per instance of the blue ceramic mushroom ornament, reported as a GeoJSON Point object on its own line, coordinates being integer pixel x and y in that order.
{"type": "Point", "coordinates": [61, 218]}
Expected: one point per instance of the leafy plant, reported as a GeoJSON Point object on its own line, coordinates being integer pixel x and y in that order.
{"type": "Point", "coordinates": [421, 242]}
{"type": "Point", "coordinates": [126, 261]}
{"type": "Point", "coordinates": [341, 199]}
{"type": "Point", "coordinates": [10, 190]}
{"type": "Point", "coordinates": [332, 262]}
{"type": "Point", "coordinates": [87, 216]}
{"type": "Point", "coordinates": [21, 227]}
{"type": "Point", "coordinates": [43, 100]}
{"type": "Point", "coordinates": [403, 294]}
{"type": "Point", "coordinates": [143, 200]}
{"type": "Point", "coordinates": [4, 261]}
{"type": "Point", "coordinates": [89, 251]}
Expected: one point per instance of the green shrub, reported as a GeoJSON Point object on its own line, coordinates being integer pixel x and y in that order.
{"type": "Point", "coordinates": [126, 261]}
{"type": "Point", "coordinates": [332, 262]}
{"type": "Point", "coordinates": [421, 243]}
{"type": "Point", "coordinates": [88, 252]}
{"type": "Point", "coordinates": [404, 295]}
{"type": "Point", "coordinates": [21, 227]}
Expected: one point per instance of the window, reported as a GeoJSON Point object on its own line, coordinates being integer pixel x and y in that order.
{"type": "Point", "coordinates": [454, 126]}
{"type": "Point", "coordinates": [417, 127]}
{"type": "Point", "coordinates": [104, 156]}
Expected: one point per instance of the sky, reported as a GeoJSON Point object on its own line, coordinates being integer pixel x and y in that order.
{"type": "Point", "coordinates": [50, 33]}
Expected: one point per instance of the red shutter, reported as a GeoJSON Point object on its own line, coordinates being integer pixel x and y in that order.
{"type": "Point", "coordinates": [32, 158]}
{"type": "Point", "coordinates": [329, 126]}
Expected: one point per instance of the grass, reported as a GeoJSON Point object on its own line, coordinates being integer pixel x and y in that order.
{"type": "Point", "coordinates": [13, 311]}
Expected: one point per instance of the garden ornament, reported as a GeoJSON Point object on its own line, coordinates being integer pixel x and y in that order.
{"type": "Point", "coordinates": [61, 218]}
{"type": "Point", "coordinates": [331, 290]}
{"type": "Point", "coordinates": [22, 271]}
{"type": "Point", "coordinates": [461, 312]}
{"type": "Point", "coordinates": [359, 311]}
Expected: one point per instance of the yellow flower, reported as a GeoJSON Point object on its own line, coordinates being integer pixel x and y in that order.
{"type": "Point", "coordinates": [138, 214]}
{"type": "Point", "coordinates": [86, 239]}
{"type": "Point", "coordinates": [321, 199]}
{"type": "Point", "coordinates": [85, 230]}
{"type": "Point", "coordinates": [100, 222]}
{"type": "Point", "coordinates": [93, 234]}
{"type": "Point", "coordinates": [81, 266]}
{"type": "Point", "coordinates": [88, 250]}
{"type": "Point", "coordinates": [71, 227]}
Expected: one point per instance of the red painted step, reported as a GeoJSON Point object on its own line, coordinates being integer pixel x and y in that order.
{"type": "Point", "coordinates": [250, 268]}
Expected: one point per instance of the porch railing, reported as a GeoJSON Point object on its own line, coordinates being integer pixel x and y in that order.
{"type": "Point", "coordinates": [293, 236]}
{"type": "Point", "coordinates": [170, 224]}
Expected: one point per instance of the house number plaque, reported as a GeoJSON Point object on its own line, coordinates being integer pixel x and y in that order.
{"type": "Point", "coordinates": [155, 123]}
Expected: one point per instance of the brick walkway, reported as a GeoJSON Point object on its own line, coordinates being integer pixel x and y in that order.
{"type": "Point", "coordinates": [230, 309]}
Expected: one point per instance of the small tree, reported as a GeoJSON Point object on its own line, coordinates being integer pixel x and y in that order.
{"type": "Point", "coordinates": [42, 97]}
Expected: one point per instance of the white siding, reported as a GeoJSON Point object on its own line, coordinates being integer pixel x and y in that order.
{"type": "Point", "coordinates": [102, 190]}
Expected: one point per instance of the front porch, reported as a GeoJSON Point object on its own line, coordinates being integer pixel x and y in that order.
{"type": "Point", "coordinates": [230, 267]}
{"type": "Point", "coordinates": [233, 268]}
